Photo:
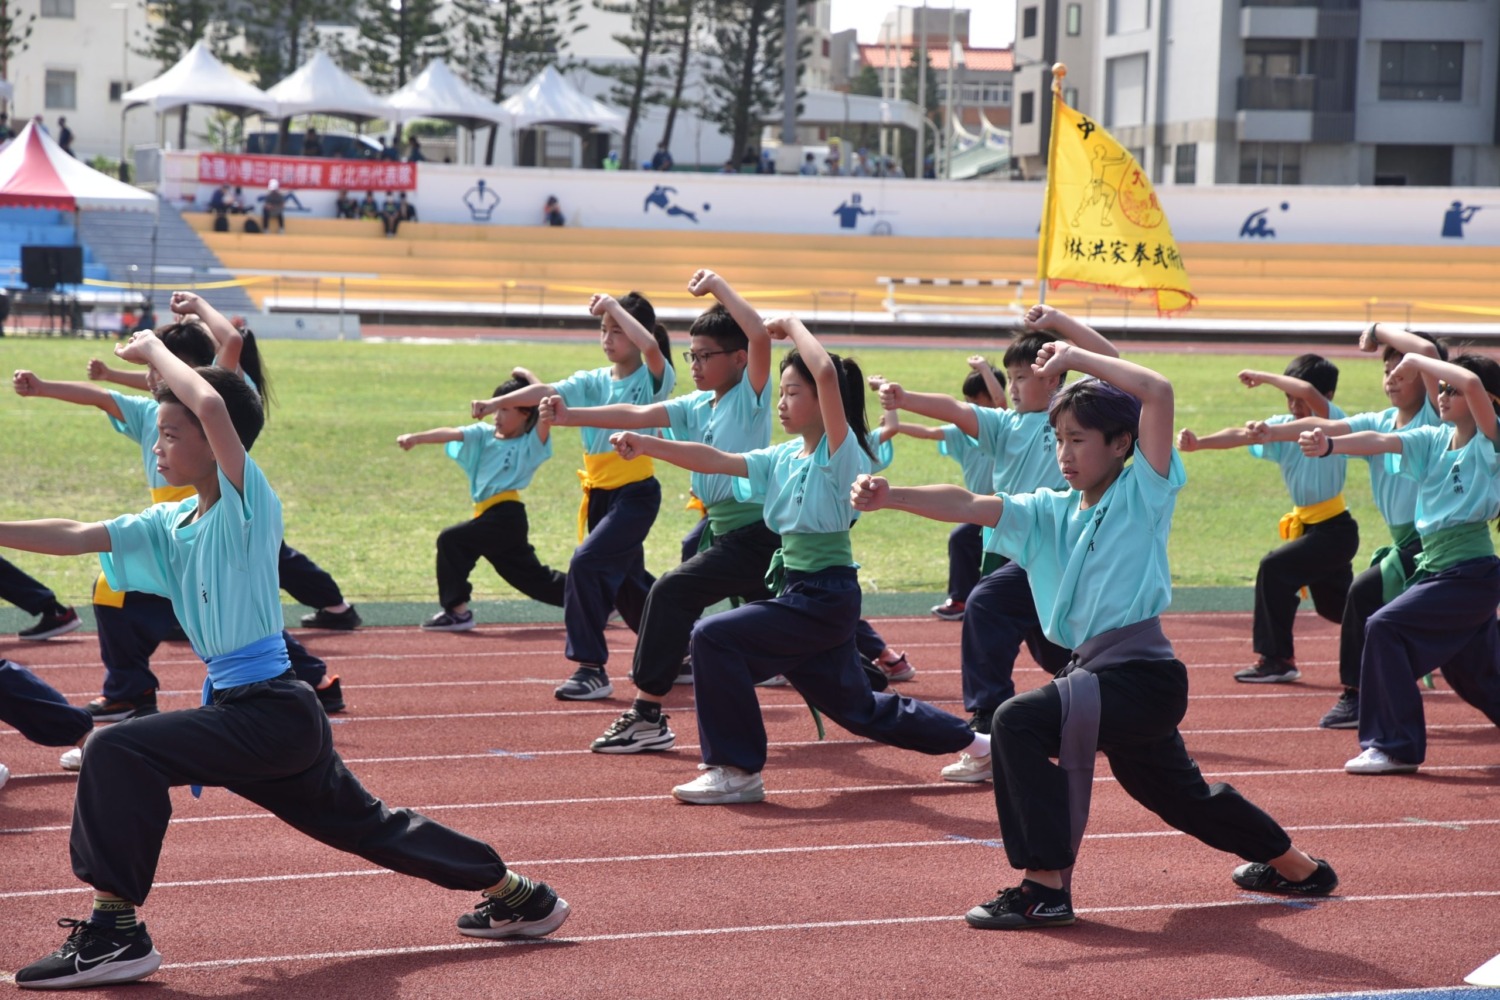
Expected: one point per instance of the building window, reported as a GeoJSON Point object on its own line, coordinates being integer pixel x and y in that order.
{"type": "Point", "coordinates": [1028, 107]}
{"type": "Point", "coordinates": [57, 8]}
{"type": "Point", "coordinates": [1028, 22]}
{"type": "Point", "coordinates": [61, 90]}
{"type": "Point", "coordinates": [1075, 19]}
{"type": "Point", "coordinates": [1185, 167]}
{"type": "Point", "coordinates": [1421, 71]}
{"type": "Point", "coordinates": [1270, 163]}
{"type": "Point", "coordinates": [116, 88]}
{"type": "Point", "coordinates": [1125, 91]}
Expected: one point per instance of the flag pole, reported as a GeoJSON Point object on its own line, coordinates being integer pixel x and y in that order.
{"type": "Point", "coordinates": [1044, 244]}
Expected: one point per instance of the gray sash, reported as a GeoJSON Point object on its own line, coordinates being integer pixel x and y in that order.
{"type": "Point", "coordinates": [1078, 689]}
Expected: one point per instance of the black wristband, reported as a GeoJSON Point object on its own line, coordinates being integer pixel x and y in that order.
{"type": "Point", "coordinates": [1330, 448]}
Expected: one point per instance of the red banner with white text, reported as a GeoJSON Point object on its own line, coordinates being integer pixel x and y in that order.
{"type": "Point", "coordinates": [306, 173]}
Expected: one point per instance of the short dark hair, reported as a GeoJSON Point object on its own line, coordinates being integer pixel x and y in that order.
{"type": "Point", "coordinates": [1024, 349]}
{"type": "Point", "coordinates": [1488, 371]}
{"type": "Point", "coordinates": [242, 402]}
{"type": "Point", "coordinates": [1098, 405]}
{"type": "Point", "coordinates": [1316, 370]}
{"type": "Point", "coordinates": [189, 342]}
{"type": "Point", "coordinates": [974, 382]}
{"type": "Point", "coordinates": [515, 384]}
{"type": "Point", "coordinates": [720, 327]}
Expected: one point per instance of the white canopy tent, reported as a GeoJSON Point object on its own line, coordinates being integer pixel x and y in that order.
{"type": "Point", "coordinates": [549, 99]}
{"type": "Point", "coordinates": [320, 86]}
{"type": "Point", "coordinates": [199, 78]}
{"type": "Point", "coordinates": [438, 93]}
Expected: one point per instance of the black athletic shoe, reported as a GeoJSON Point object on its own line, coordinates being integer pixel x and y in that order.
{"type": "Point", "coordinates": [338, 621]}
{"type": "Point", "coordinates": [92, 956]}
{"type": "Point", "coordinates": [1269, 670]}
{"type": "Point", "coordinates": [109, 710]}
{"type": "Point", "coordinates": [1263, 878]}
{"type": "Point", "coordinates": [331, 697]}
{"type": "Point", "coordinates": [1344, 714]}
{"type": "Point", "coordinates": [631, 734]}
{"type": "Point", "coordinates": [980, 721]}
{"type": "Point", "coordinates": [1024, 907]}
{"type": "Point", "coordinates": [542, 914]}
{"type": "Point", "coordinates": [52, 623]}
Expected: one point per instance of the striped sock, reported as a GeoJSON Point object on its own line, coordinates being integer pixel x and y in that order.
{"type": "Point", "coordinates": [113, 913]}
{"type": "Point", "coordinates": [513, 891]}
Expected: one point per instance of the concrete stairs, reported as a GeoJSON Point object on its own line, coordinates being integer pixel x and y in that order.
{"type": "Point", "coordinates": [122, 242]}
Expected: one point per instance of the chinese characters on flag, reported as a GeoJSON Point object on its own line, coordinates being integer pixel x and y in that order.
{"type": "Point", "coordinates": [306, 174]}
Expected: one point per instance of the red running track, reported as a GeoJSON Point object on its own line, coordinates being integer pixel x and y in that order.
{"type": "Point", "coordinates": [849, 881]}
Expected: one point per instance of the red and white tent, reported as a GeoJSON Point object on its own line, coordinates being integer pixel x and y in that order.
{"type": "Point", "coordinates": [35, 172]}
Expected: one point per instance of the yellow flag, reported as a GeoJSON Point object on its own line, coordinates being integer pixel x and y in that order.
{"type": "Point", "coordinates": [1101, 223]}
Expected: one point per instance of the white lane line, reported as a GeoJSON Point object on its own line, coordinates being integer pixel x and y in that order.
{"type": "Point", "coordinates": [949, 841]}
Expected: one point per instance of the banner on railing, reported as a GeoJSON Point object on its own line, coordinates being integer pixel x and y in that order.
{"type": "Point", "coordinates": [306, 173]}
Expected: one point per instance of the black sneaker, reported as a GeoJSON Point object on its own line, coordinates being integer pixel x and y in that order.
{"type": "Point", "coordinates": [586, 684]}
{"type": "Point", "coordinates": [1269, 670]}
{"type": "Point", "coordinates": [979, 722]}
{"type": "Point", "coordinates": [542, 914]}
{"type": "Point", "coordinates": [448, 621]}
{"type": "Point", "coordinates": [331, 697]}
{"type": "Point", "coordinates": [1344, 714]}
{"type": "Point", "coordinates": [338, 621]}
{"type": "Point", "coordinates": [111, 710]}
{"type": "Point", "coordinates": [1024, 907]}
{"type": "Point", "coordinates": [631, 734]}
{"type": "Point", "coordinates": [60, 621]}
{"type": "Point", "coordinates": [1263, 878]}
{"type": "Point", "coordinates": [92, 956]}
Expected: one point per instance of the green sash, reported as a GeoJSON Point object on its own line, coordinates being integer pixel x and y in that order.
{"type": "Point", "coordinates": [1451, 546]}
{"type": "Point", "coordinates": [808, 553]}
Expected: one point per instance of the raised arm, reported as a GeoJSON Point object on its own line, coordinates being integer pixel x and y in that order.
{"type": "Point", "coordinates": [98, 371]}
{"type": "Point", "coordinates": [228, 342]}
{"type": "Point", "coordinates": [1151, 388]}
{"type": "Point", "coordinates": [825, 374]}
{"type": "Point", "coordinates": [992, 385]}
{"type": "Point", "coordinates": [938, 503]}
{"type": "Point", "coordinates": [642, 338]}
{"type": "Point", "coordinates": [758, 353]}
{"type": "Point", "coordinates": [198, 396]}
{"type": "Point", "coordinates": [438, 435]}
{"type": "Point", "coordinates": [688, 455]}
{"type": "Point", "coordinates": [627, 415]}
{"type": "Point", "coordinates": [935, 405]}
{"type": "Point", "coordinates": [27, 384]}
{"type": "Point", "coordinates": [1055, 321]}
{"type": "Point", "coordinates": [1481, 403]}
{"type": "Point", "coordinates": [55, 537]}
{"type": "Point", "coordinates": [1294, 387]}
{"type": "Point", "coordinates": [1404, 341]}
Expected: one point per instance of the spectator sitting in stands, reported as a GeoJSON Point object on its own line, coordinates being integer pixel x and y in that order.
{"type": "Point", "coordinates": [662, 159]}
{"type": "Point", "coordinates": [414, 150]}
{"type": "Point", "coordinates": [552, 212]}
{"type": "Point", "coordinates": [390, 214]}
{"type": "Point", "coordinates": [346, 207]}
{"type": "Point", "coordinates": [405, 210]}
{"type": "Point", "coordinates": [729, 167]}
{"type": "Point", "coordinates": [218, 202]}
{"type": "Point", "coordinates": [312, 143]}
{"type": "Point", "coordinates": [809, 166]}
{"type": "Point", "coordinates": [767, 162]}
{"type": "Point", "coordinates": [860, 167]}
{"type": "Point", "coordinates": [237, 203]}
{"type": "Point", "coordinates": [368, 207]}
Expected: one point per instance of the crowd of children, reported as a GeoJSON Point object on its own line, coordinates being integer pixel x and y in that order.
{"type": "Point", "coordinates": [1060, 543]}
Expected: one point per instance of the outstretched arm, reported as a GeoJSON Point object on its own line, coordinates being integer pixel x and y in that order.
{"type": "Point", "coordinates": [920, 431]}
{"type": "Point", "coordinates": [1316, 444]}
{"type": "Point", "coordinates": [531, 395]}
{"type": "Point", "coordinates": [628, 415]}
{"type": "Point", "coordinates": [938, 503]}
{"type": "Point", "coordinates": [198, 396]}
{"type": "Point", "coordinates": [758, 352]}
{"type": "Point", "coordinates": [55, 537]}
{"type": "Point", "coordinates": [936, 405]}
{"type": "Point", "coordinates": [101, 372]}
{"type": "Point", "coordinates": [1229, 437]}
{"type": "Point", "coordinates": [1055, 321]}
{"type": "Point", "coordinates": [1151, 388]}
{"type": "Point", "coordinates": [824, 373]}
{"type": "Point", "coordinates": [1263, 431]}
{"type": "Point", "coordinates": [438, 435]}
{"type": "Point", "coordinates": [1294, 387]}
{"type": "Point", "coordinates": [27, 384]}
{"type": "Point", "coordinates": [688, 455]}
{"type": "Point", "coordinates": [642, 338]}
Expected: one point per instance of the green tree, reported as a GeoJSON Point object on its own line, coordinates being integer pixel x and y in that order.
{"type": "Point", "coordinates": [397, 38]}
{"type": "Point", "coordinates": [279, 37]}
{"type": "Point", "coordinates": [15, 34]}
{"type": "Point", "coordinates": [680, 25]}
{"type": "Point", "coordinates": [644, 41]}
{"type": "Point", "coordinates": [743, 82]}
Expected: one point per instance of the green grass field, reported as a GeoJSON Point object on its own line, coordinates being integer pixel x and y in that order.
{"type": "Point", "coordinates": [369, 512]}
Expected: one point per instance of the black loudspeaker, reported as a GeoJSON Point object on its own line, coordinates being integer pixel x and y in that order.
{"type": "Point", "coordinates": [48, 267]}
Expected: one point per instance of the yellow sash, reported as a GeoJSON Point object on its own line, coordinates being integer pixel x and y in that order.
{"type": "Point", "coordinates": [608, 472]}
{"type": "Point", "coordinates": [695, 504]}
{"type": "Point", "coordinates": [108, 596]}
{"type": "Point", "coordinates": [1296, 521]}
{"type": "Point", "coordinates": [498, 498]}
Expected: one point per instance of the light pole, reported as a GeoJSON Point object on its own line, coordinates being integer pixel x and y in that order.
{"type": "Point", "coordinates": [124, 9]}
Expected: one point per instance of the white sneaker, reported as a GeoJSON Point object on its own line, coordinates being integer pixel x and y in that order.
{"type": "Point", "coordinates": [721, 786]}
{"type": "Point", "coordinates": [4, 775]}
{"type": "Point", "coordinates": [773, 682]}
{"type": "Point", "coordinates": [969, 768]}
{"type": "Point", "coordinates": [72, 760]}
{"type": "Point", "coordinates": [1374, 761]}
